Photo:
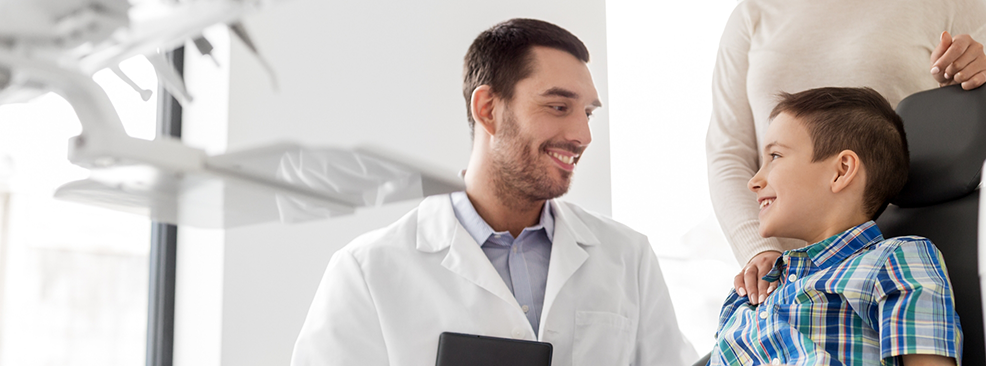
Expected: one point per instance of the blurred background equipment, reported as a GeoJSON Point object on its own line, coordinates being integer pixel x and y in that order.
{"type": "Point", "coordinates": [58, 46]}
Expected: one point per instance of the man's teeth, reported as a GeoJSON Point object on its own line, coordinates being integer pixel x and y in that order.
{"type": "Point", "coordinates": [765, 203]}
{"type": "Point", "coordinates": [564, 159]}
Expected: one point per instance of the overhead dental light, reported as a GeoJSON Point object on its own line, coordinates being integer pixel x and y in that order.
{"type": "Point", "coordinates": [58, 45]}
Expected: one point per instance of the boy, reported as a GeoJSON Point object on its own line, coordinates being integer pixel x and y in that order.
{"type": "Point", "coordinates": [832, 159]}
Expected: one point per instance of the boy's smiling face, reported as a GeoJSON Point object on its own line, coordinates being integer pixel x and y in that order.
{"type": "Point", "coordinates": [793, 192]}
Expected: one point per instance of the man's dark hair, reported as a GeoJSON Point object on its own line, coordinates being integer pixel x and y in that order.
{"type": "Point", "coordinates": [501, 56]}
{"type": "Point", "coordinates": [857, 119]}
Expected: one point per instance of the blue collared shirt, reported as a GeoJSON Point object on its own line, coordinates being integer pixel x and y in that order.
{"type": "Point", "coordinates": [852, 299]}
{"type": "Point", "coordinates": [522, 262]}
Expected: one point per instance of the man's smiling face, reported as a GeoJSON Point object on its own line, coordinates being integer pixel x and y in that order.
{"type": "Point", "coordinates": [544, 128]}
{"type": "Point", "coordinates": [790, 188]}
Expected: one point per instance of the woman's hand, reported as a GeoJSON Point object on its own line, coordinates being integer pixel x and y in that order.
{"type": "Point", "coordinates": [959, 60]}
{"type": "Point", "coordinates": [749, 281]}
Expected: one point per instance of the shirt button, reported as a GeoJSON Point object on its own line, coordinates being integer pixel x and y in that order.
{"type": "Point", "coordinates": [763, 315]}
{"type": "Point", "coordinates": [525, 308]}
{"type": "Point", "coordinates": [792, 278]}
{"type": "Point", "coordinates": [775, 361]}
{"type": "Point", "coordinates": [518, 333]}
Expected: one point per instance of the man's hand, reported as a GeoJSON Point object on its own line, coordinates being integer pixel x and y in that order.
{"type": "Point", "coordinates": [749, 283]}
{"type": "Point", "coordinates": [959, 61]}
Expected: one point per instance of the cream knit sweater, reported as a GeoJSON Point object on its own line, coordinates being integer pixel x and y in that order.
{"type": "Point", "coordinates": [770, 46]}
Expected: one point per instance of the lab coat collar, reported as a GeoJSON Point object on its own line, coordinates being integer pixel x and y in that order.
{"type": "Point", "coordinates": [438, 229]}
{"type": "Point", "coordinates": [437, 225]}
{"type": "Point", "coordinates": [567, 255]}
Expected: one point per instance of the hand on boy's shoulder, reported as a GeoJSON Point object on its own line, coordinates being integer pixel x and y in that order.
{"type": "Point", "coordinates": [749, 282]}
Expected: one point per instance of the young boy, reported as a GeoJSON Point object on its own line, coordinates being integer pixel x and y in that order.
{"type": "Point", "coordinates": [832, 159]}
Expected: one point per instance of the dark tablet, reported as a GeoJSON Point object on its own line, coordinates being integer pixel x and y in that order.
{"type": "Point", "coordinates": [455, 349]}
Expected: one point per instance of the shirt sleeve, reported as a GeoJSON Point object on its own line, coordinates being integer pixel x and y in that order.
{"type": "Point", "coordinates": [731, 143]}
{"type": "Point", "coordinates": [342, 327]}
{"type": "Point", "coordinates": [916, 304]}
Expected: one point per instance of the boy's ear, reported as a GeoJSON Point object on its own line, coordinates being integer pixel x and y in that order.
{"type": "Point", "coordinates": [847, 170]}
{"type": "Point", "coordinates": [481, 106]}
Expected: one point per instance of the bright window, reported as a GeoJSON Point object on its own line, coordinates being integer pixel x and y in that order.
{"type": "Point", "coordinates": [73, 278]}
{"type": "Point", "coordinates": [661, 55]}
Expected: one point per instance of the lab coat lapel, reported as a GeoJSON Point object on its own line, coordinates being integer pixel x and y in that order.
{"type": "Point", "coordinates": [567, 255]}
{"type": "Point", "coordinates": [438, 228]}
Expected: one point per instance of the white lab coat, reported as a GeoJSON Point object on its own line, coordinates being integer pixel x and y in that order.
{"type": "Point", "coordinates": [386, 297]}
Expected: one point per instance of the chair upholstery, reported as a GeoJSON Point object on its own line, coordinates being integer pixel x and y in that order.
{"type": "Point", "coordinates": [946, 134]}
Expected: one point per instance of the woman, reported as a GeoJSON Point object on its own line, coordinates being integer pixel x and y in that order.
{"type": "Point", "coordinates": [771, 46]}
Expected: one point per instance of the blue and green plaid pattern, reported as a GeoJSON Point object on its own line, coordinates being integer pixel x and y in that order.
{"type": "Point", "coordinates": [852, 299]}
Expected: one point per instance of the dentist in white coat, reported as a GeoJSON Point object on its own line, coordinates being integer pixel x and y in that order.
{"type": "Point", "coordinates": [503, 258]}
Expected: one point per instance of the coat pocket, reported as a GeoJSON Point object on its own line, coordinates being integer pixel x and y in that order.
{"type": "Point", "coordinates": [602, 338]}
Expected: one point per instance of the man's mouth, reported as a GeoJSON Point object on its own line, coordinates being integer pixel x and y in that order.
{"type": "Point", "coordinates": [565, 159]}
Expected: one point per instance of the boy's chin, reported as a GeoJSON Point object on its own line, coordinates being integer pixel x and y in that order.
{"type": "Point", "coordinates": [765, 231]}
{"type": "Point", "coordinates": [768, 233]}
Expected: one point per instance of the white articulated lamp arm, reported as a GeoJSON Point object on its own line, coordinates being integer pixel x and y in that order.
{"type": "Point", "coordinates": [90, 102]}
{"type": "Point", "coordinates": [103, 141]}
{"type": "Point", "coordinates": [165, 179]}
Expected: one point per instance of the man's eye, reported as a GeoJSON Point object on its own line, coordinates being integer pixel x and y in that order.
{"type": "Point", "coordinates": [559, 108]}
{"type": "Point", "coordinates": [588, 115]}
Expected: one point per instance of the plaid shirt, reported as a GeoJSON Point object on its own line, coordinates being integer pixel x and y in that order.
{"type": "Point", "coordinates": [852, 299]}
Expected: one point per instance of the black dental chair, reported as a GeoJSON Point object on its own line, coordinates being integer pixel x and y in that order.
{"type": "Point", "coordinates": [946, 134]}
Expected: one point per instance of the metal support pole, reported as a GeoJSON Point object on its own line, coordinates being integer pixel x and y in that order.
{"type": "Point", "coordinates": [164, 246]}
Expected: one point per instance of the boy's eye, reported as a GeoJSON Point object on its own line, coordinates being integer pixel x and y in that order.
{"type": "Point", "coordinates": [774, 156]}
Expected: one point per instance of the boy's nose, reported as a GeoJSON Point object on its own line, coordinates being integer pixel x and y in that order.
{"type": "Point", "coordinates": [756, 183]}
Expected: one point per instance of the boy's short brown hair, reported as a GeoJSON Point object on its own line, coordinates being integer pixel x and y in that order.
{"type": "Point", "coordinates": [857, 119]}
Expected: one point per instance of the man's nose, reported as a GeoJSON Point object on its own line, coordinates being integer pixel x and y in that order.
{"type": "Point", "coordinates": [579, 132]}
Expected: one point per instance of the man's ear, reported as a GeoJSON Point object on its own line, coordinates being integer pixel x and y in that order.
{"type": "Point", "coordinates": [481, 107]}
{"type": "Point", "coordinates": [847, 170]}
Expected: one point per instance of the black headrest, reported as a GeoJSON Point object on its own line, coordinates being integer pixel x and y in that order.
{"type": "Point", "coordinates": [946, 135]}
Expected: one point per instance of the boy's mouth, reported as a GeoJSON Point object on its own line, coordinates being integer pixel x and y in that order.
{"type": "Point", "coordinates": [765, 202]}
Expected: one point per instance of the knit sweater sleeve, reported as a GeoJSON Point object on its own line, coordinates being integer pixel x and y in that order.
{"type": "Point", "coordinates": [731, 142]}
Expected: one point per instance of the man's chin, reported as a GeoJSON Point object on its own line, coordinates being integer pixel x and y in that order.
{"type": "Point", "coordinates": [553, 193]}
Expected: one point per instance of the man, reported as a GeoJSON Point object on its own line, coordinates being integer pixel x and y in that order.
{"type": "Point", "coordinates": [503, 258]}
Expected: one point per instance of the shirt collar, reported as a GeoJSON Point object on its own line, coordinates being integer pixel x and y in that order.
{"type": "Point", "coordinates": [838, 247]}
{"type": "Point", "coordinates": [833, 250]}
{"type": "Point", "coordinates": [474, 224]}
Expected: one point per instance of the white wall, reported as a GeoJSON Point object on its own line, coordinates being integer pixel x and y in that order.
{"type": "Point", "coordinates": [385, 73]}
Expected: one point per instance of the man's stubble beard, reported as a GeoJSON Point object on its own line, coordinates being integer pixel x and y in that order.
{"type": "Point", "coordinates": [518, 178]}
